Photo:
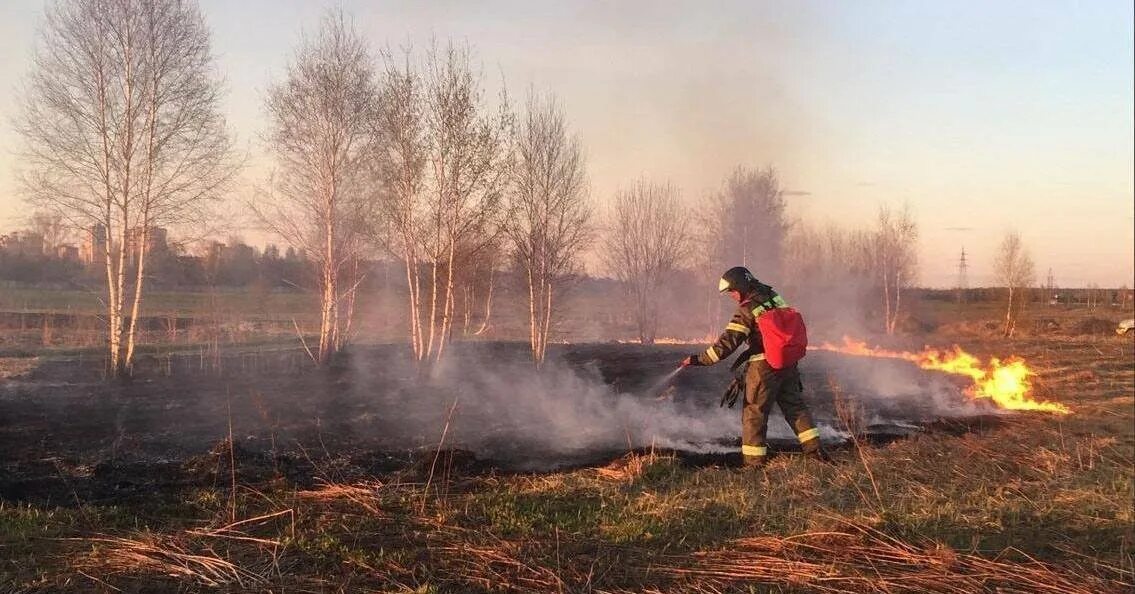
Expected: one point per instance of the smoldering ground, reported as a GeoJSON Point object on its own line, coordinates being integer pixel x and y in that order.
{"type": "Point", "coordinates": [594, 401]}
{"type": "Point", "coordinates": [67, 435]}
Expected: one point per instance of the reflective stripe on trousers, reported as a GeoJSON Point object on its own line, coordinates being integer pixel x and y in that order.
{"type": "Point", "coordinates": [808, 435]}
{"type": "Point", "coordinates": [748, 450]}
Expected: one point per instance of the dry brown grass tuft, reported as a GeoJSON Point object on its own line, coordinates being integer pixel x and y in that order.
{"type": "Point", "coordinates": [151, 554]}
{"type": "Point", "coordinates": [863, 559]}
{"type": "Point", "coordinates": [627, 468]}
{"type": "Point", "coordinates": [365, 495]}
{"type": "Point", "coordinates": [496, 568]}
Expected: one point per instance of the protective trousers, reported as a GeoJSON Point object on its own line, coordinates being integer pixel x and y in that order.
{"type": "Point", "coordinates": [765, 386]}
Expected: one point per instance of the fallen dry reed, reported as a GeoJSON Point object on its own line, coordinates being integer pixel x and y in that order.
{"type": "Point", "coordinates": [861, 559]}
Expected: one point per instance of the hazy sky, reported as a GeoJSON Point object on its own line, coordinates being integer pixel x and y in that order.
{"type": "Point", "coordinates": [983, 116]}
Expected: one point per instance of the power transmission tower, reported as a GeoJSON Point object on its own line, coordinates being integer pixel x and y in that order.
{"type": "Point", "coordinates": [963, 277]}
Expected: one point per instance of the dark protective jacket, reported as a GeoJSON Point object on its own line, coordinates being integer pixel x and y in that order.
{"type": "Point", "coordinates": [743, 328]}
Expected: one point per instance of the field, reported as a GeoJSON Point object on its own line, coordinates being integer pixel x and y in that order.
{"type": "Point", "coordinates": [245, 469]}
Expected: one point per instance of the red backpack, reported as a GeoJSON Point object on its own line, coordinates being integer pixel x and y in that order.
{"type": "Point", "coordinates": [783, 333]}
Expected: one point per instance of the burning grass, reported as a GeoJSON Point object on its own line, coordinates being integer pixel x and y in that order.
{"type": "Point", "coordinates": [1005, 382]}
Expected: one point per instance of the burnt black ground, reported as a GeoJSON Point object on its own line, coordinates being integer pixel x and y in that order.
{"type": "Point", "coordinates": [67, 435]}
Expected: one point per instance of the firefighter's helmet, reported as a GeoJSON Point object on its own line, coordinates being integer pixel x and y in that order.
{"type": "Point", "coordinates": [739, 279]}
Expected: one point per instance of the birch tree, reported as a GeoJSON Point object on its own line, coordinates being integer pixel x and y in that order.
{"type": "Point", "coordinates": [467, 166]}
{"type": "Point", "coordinates": [1015, 270]}
{"type": "Point", "coordinates": [401, 151]}
{"type": "Point", "coordinates": [321, 122]}
{"type": "Point", "coordinates": [644, 244]}
{"type": "Point", "coordinates": [549, 217]}
{"type": "Point", "coordinates": [895, 260]}
{"type": "Point", "coordinates": [442, 157]}
{"type": "Point", "coordinates": [123, 133]}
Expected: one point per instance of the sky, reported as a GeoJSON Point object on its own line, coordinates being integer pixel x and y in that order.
{"type": "Point", "coordinates": [982, 117]}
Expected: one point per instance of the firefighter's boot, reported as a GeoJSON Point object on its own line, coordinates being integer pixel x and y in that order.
{"type": "Point", "coordinates": [754, 456]}
{"type": "Point", "coordinates": [813, 448]}
{"type": "Point", "coordinates": [820, 455]}
{"type": "Point", "coordinates": [754, 462]}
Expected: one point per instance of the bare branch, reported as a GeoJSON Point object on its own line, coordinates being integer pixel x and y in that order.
{"type": "Point", "coordinates": [646, 241]}
{"type": "Point", "coordinates": [549, 215]}
{"type": "Point", "coordinates": [321, 135]}
{"type": "Point", "coordinates": [123, 133]}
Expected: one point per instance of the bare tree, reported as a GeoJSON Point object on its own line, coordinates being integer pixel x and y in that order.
{"type": "Point", "coordinates": [442, 156]}
{"type": "Point", "coordinates": [742, 223]}
{"type": "Point", "coordinates": [549, 216]}
{"type": "Point", "coordinates": [1094, 295]}
{"type": "Point", "coordinates": [467, 165]}
{"type": "Point", "coordinates": [895, 259]}
{"type": "Point", "coordinates": [124, 133]}
{"type": "Point", "coordinates": [401, 151]}
{"type": "Point", "coordinates": [644, 244]}
{"type": "Point", "coordinates": [713, 253]}
{"type": "Point", "coordinates": [829, 271]}
{"type": "Point", "coordinates": [321, 131]}
{"type": "Point", "coordinates": [1014, 268]}
{"type": "Point", "coordinates": [753, 219]}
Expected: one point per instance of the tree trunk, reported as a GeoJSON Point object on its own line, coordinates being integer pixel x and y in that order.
{"type": "Point", "coordinates": [533, 338]}
{"type": "Point", "coordinates": [893, 324]}
{"type": "Point", "coordinates": [488, 303]}
{"type": "Point", "coordinates": [112, 312]}
{"type": "Point", "coordinates": [1009, 314]}
{"type": "Point", "coordinates": [118, 362]}
{"type": "Point", "coordinates": [327, 310]}
{"type": "Point", "coordinates": [414, 288]}
{"type": "Point", "coordinates": [136, 307]}
{"type": "Point", "coordinates": [547, 324]}
{"type": "Point", "coordinates": [433, 308]}
{"type": "Point", "coordinates": [886, 299]}
{"type": "Point", "coordinates": [447, 311]}
{"type": "Point", "coordinates": [349, 317]}
{"type": "Point", "coordinates": [467, 306]}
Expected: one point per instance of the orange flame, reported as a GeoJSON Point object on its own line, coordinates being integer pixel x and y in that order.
{"type": "Point", "coordinates": [1005, 383]}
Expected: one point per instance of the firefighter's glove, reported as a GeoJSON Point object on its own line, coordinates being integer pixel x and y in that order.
{"type": "Point", "coordinates": [692, 360]}
{"type": "Point", "coordinates": [734, 391]}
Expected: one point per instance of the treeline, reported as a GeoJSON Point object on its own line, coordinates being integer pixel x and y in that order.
{"type": "Point", "coordinates": [231, 265]}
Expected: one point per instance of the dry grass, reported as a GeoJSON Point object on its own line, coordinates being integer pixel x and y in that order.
{"type": "Point", "coordinates": [163, 556]}
{"type": "Point", "coordinates": [365, 495]}
{"type": "Point", "coordinates": [628, 467]}
{"type": "Point", "coordinates": [863, 559]}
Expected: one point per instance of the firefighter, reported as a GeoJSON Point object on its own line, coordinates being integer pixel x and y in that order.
{"type": "Point", "coordinates": [763, 385]}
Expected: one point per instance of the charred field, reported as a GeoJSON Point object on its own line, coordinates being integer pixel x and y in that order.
{"type": "Point", "coordinates": [251, 470]}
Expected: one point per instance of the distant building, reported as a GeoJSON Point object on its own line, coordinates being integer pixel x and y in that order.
{"type": "Point", "coordinates": [93, 249]}
{"type": "Point", "coordinates": [156, 241]}
{"type": "Point", "coordinates": [215, 251]}
{"type": "Point", "coordinates": [67, 252]}
{"type": "Point", "coordinates": [23, 243]}
{"type": "Point", "coordinates": [239, 252]}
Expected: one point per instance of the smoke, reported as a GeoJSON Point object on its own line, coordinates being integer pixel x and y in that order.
{"type": "Point", "coordinates": [894, 393]}
{"type": "Point", "coordinates": [589, 404]}
{"type": "Point", "coordinates": [608, 399]}
{"type": "Point", "coordinates": [564, 414]}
